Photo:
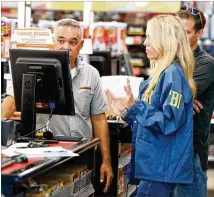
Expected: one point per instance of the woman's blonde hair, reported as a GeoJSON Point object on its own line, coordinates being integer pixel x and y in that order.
{"type": "Point", "coordinates": [169, 40]}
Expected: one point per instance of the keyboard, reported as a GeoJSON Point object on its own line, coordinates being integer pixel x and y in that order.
{"type": "Point", "coordinates": [68, 138]}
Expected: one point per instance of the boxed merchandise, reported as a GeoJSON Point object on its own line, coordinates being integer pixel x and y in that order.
{"type": "Point", "coordinates": [49, 187]}
{"type": "Point", "coordinates": [120, 183]}
{"type": "Point", "coordinates": [66, 177]}
{"type": "Point", "coordinates": [121, 37]}
{"type": "Point", "coordinates": [70, 174]}
{"type": "Point", "coordinates": [85, 28]}
{"type": "Point", "coordinates": [99, 36]}
{"type": "Point", "coordinates": [125, 149]}
{"type": "Point", "coordinates": [5, 37]}
{"type": "Point", "coordinates": [111, 37]}
{"type": "Point", "coordinates": [79, 170]}
{"type": "Point", "coordinates": [86, 179]}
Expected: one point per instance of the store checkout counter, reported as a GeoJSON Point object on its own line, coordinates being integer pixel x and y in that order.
{"type": "Point", "coordinates": [15, 174]}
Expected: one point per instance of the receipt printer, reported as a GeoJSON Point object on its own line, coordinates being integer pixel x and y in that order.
{"type": "Point", "coordinates": [8, 131]}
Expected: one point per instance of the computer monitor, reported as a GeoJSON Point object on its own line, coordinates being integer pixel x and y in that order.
{"type": "Point", "coordinates": [101, 60]}
{"type": "Point", "coordinates": [41, 79]}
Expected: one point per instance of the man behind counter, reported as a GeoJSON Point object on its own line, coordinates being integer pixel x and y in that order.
{"type": "Point", "coordinates": [89, 98]}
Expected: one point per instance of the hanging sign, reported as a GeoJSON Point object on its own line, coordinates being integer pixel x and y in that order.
{"type": "Point", "coordinates": [31, 38]}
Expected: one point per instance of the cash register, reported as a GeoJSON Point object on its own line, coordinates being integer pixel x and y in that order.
{"type": "Point", "coordinates": [42, 84]}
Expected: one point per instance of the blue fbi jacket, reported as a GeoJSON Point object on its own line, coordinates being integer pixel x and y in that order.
{"type": "Point", "coordinates": [162, 130]}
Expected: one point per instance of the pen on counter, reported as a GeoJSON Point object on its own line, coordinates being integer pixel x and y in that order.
{"type": "Point", "coordinates": [55, 151]}
{"type": "Point", "coordinates": [82, 141]}
{"type": "Point", "coordinates": [22, 147]}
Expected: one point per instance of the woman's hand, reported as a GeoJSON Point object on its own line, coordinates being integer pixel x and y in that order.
{"type": "Point", "coordinates": [114, 103]}
{"type": "Point", "coordinates": [129, 95]}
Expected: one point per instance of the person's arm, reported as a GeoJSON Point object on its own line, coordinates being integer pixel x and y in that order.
{"type": "Point", "coordinates": [175, 101]}
{"type": "Point", "coordinates": [197, 107]}
{"type": "Point", "coordinates": [203, 76]}
{"type": "Point", "coordinates": [100, 128]}
{"type": "Point", "coordinates": [8, 107]}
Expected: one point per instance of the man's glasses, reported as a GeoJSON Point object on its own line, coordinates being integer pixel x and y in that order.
{"type": "Point", "coordinates": [192, 11]}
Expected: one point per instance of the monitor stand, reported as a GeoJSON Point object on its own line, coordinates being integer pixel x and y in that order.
{"type": "Point", "coordinates": [28, 105]}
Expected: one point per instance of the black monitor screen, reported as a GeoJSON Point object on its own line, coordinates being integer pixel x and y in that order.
{"type": "Point", "coordinates": [101, 60]}
{"type": "Point", "coordinates": [48, 72]}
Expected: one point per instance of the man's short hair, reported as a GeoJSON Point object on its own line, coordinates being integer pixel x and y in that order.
{"type": "Point", "coordinates": [71, 23]}
{"type": "Point", "coordinates": [199, 19]}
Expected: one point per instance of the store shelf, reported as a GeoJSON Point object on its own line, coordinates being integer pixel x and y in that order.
{"type": "Point", "coordinates": [137, 62]}
{"type": "Point", "coordinates": [211, 153]}
{"type": "Point", "coordinates": [135, 33]}
{"type": "Point", "coordinates": [86, 192]}
{"type": "Point", "coordinates": [124, 161]}
{"type": "Point", "coordinates": [131, 189]}
{"type": "Point", "coordinates": [79, 188]}
{"type": "Point", "coordinates": [132, 44]}
{"type": "Point", "coordinates": [135, 38]}
{"type": "Point", "coordinates": [33, 168]}
{"type": "Point", "coordinates": [211, 158]}
{"type": "Point", "coordinates": [137, 54]}
{"type": "Point", "coordinates": [133, 30]}
{"type": "Point", "coordinates": [11, 16]}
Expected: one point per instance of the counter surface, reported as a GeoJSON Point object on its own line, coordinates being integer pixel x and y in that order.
{"type": "Point", "coordinates": [18, 172]}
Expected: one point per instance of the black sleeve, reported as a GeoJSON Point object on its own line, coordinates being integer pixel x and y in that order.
{"type": "Point", "coordinates": [203, 76]}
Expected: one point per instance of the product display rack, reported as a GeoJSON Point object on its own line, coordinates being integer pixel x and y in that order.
{"type": "Point", "coordinates": [118, 134]}
{"type": "Point", "coordinates": [134, 40]}
{"type": "Point", "coordinates": [38, 166]}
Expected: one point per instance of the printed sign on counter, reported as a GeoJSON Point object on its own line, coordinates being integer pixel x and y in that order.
{"type": "Point", "coordinates": [31, 38]}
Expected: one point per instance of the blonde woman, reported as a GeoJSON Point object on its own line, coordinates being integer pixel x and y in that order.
{"type": "Point", "coordinates": [162, 117]}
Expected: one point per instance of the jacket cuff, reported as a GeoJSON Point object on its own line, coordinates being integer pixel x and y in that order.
{"type": "Point", "coordinates": [130, 115]}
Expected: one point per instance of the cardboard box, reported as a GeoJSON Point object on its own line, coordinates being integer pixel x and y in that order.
{"type": "Point", "coordinates": [79, 170]}
{"type": "Point", "coordinates": [67, 178]}
{"type": "Point", "coordinates": [120, 184]}
{"type": "Point", "coordinates": [49, 187]}
{"type": "Point", "coordinates": [70, 174]}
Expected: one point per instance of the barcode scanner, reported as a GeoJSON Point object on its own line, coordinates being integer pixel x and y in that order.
{"type": "Point", "coordinates": [44, 133]}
